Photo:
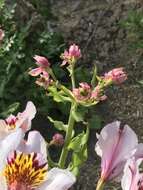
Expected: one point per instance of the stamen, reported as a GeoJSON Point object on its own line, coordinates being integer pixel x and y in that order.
{"type": "Point", "coordinates": [24, 171]}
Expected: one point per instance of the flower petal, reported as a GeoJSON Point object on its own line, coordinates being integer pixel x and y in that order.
{"type": "Point", "coordinates": [35, 143]}
{"type": "Point", "coordinates": [58, 179]}
{"type": "Point", "coordinates": [138, 152]}
{"type": "Point", "coordinates": [3, 129]}
{"type": "Point", "coordinates": [24, 118]}
{"type": "Point", "coordinates": [10, 143]}
{"type": "Point", "coordinates": [35, 72]}
{"type": "Point", "coordinates": [3, 185]}
{"type": "Point", "coordinates": [131, 177]}
{"type": "Point", "coordinates": [114, 147]}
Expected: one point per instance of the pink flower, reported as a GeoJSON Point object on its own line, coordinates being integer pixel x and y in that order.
{"type": "Point", "coordinates": [116, 76]}
{"type": "Point", "coordinates": [74, 51]}
{"type": "Point", "coordinates": [71, 55]}
{"type": "Point", "coordinates": [82, 93]}
{"type": "Point", "coordinates": [22, 120]}
{"type": "Point", "coordinates": [1, 35]}
{"type": "Point", "coordinates": [132, 178]}
{"type": "Point", "coordinates": [44, 80]}
{"type": "Point", "coordinates": [43, 64]}
{"type": "Point", "coordinates": [114, 146]}
{"type": "Point", "coordinates": [41, 61]}
{"type": "Point", "coordinates": [97, 94]}
{"type": "Point", "coordinates": [58, 139]}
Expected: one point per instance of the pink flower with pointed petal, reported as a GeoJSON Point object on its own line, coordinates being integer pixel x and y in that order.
{"type": "Point", "coordinates": [132, 178]}
{"type": "Point", "coordinates": [116, 76]}
{"type": "Point", "coordinates": [43, 64]}
{"type": "Point", "coordinates": [71, 55]}
{"type": "Point", "coordinates": [114, 146]}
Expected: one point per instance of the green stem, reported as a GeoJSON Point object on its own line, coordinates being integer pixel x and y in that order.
{"type": "Point", "coordinates": [72, 75]}
{"type": "Point", "coordinates": [68, 137]}
{"type": "Point", "coordinates": [94, 77]}
{"type": "Point", "coordinates": [100, 184]}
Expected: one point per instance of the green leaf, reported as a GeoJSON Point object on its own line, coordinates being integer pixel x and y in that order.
{"type": "Point", "coordinates": [78, 158]}
{"type": "Point", "coordinates": [78, 142]}
{"type": "Point", "coordinates": [12, 108]}
{"type": "Point", "coordinates": [79, 114]}
{"type": "Point", "coordinates": [140, 82]}
{"type": "Point", "coordinates": [2, 3]}
{"type": "Point", "coordinates": [58, 124]}
{"type": "Point", "coordinates": [57, 96]}
{"type": "Point", "coordinates": [95, 122]}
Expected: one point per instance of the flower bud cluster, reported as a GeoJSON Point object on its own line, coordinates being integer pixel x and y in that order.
{"type": "Point", "coordinates": [72, 55]}
{"type": "Point", "coordinates": [86, 94]}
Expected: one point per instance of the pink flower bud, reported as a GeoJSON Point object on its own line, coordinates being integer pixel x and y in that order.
{"type": "Point", "coordinates": [116, 75]}
{"type": "Point", "coordinates": [70, 56]}
{"type": "Point", "coordinates": [1, 35]}
{"type": "Point", "coordinates": [74, 51]}
{"type": "Point", "coordinates": [58, 139]}
{"type": "Point", "coordinates": [41, 61]}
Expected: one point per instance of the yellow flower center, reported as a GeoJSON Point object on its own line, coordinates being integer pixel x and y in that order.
{"type": "Point", "coordinates": [24, 172]}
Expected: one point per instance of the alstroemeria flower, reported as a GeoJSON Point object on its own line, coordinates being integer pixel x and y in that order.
{"type": "Point", "coordinates": [22, 120]}
{"type": "Point", "coordinates": [114, 146]}
{"type": "Point", "coordinates": [132, 178]}
{"type": "Point", "coordinates": [28, 170]}
{"type": "Point", "coordinates": [42, 63]}
{"type": "Point", "coordinates": [71, 55]}
{"type": "Point", "coordinates": [116, 76]}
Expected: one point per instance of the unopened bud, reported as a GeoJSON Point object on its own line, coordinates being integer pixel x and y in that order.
{"type": "Point", "coordinates": [58, 139]}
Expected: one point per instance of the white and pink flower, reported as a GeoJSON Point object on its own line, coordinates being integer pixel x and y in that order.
{"type": "Point", "coordinates": [26, 168]}
{"type": "Point", "coordinates": [132, 178]}
{"type": "Point", "coordinates": [22, 120]}
{"type": "Point", "coordinates": [115, 145]}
